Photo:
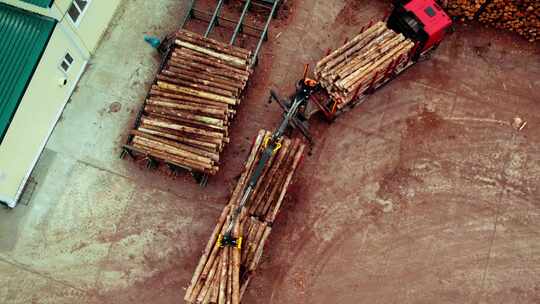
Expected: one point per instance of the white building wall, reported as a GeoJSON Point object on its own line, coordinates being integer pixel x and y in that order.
{"type": "Point", "coordinates": [49, 90]}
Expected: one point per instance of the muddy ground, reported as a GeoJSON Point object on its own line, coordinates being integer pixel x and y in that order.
{"type": "Point", "coordinates": [423, 194]}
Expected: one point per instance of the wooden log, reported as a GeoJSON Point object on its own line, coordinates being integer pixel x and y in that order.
{"type": "Point", "coordinates": [214, 44]}
{"type": "Point", "coordinates": [214, 291]}
{"type": "Point", "coordinates": [258, 253]}
{"type": "Point", "coordinates": [200, 80]}
{"type": "Point", "coordinates": [179, 97]}
{"type": "Point", "coordinates": [223, 275]}
{"type": "Point", "coordinates": [276, 186]}
{"type": "Point", "coordinates": [188, 54]}
{"type": "Point", "coordinates": [234, 61]}
{"type": "Point", "coordinates": [193, 92]}
{"type": "Point", "coordinates": [384, 43]}
{"type": "Point", "coordinates": [229, 277]}
{"type": "Point", "coordinates": [297, 158]}
{"type": "Point", "coordinates": [236, 268]}
{"type": "Point", "coordinates": [200, 152]}
{"type": "Point", "coordinates": [248, 237]}
{"type": "Point", "coordinates": [248, 167]}
{"type": "Point", "coordinates": [257, 236]}
{"type": "Point", "coordinates": [210, 147]}
{"type": "Point", "coordinates": [175, 160]}
{"type": "Point", "coordinates": [245, 284]}
{"type": "Point", "coordinates": [169, 124]}
{"type": "Point", "coordinates": [360, 42]}
{"type": "Point", "coordinates": [347, 83]}
{"type": "Point", "coordinates": [194, 85]}
{"type": "Point", "coordinates": [359, 58]}
{"type": "Point", "coordinates": [210, 258]}
{"type": "Point", "coordinates": [186, 70]}
{"type": "Point", "coordinates": [191, 107]}
{"type": "Point", "coordinates": [258, 200]}
{"type": "Point", "coordinates": [207, 286]}
{"type": "Point", "coordinates": [173, 113]}
{"type": "Point", "coordinates": [357, 79]}
{"type": "Point", "coordinates": [191, 123]}
{"type": "Point", "coordinates": [196, 138]}
{"type": "Point", "coordinates": [172, 149]}
{"type": "Point", "coordinates": [182, 63]}
{"type": "Point", "coordinates": [347, 45]}
{"type": "Point", "coordinates": [263, 179]}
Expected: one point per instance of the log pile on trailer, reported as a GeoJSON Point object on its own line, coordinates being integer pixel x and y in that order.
{"type": "Point", "coordinates": [189, 108]}
{"type": "Point", "coordinates": [520, 16]}
{"type": "Point", "coordinates": [363, 63]}
{"type": "Point", "coordinates": [223, 273]}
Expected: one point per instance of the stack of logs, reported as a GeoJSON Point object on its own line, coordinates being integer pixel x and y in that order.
{"type": "Point", "coordinates": [189, 108]}
{"type": "Point", "coordinates": [464, 8]}
{"type": "Point", "coordinates": [223, 273]}
{"type": "Point", "coordinates": [520, 16]}
{"type": "Point", "coordinates": [363, 62]}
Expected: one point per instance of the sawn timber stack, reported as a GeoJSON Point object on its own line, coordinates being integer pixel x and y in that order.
{"type": "Point", "coordinates": [363, 63]}
{"type": "Point", "coordinates": [187, 113]}
{"type": "Point", "coordinates": [223, 273]}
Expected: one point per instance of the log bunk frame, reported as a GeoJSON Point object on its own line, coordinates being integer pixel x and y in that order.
{"type": "Point", "coordinates": [166, 50]}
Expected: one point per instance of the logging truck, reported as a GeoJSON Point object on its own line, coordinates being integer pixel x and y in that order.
{"type": "Point", "coordinates": [380, 51]}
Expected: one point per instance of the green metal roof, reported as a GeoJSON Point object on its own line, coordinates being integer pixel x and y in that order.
{"type": "Point", "coordinates": [24, 36]}
{"type": "Point", "coordinates": [42, 3]}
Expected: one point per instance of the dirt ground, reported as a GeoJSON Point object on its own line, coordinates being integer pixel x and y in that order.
{"type": "Point", "coordinates": [423, 194]}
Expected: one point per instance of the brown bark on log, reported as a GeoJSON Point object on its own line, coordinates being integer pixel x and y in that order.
{"type": "Point", "coordinates": [195, 86]}
{"type": "Point", "coordinates": [210, 147]}
{"type": "Point", "coordinates": [356, 44]}
{"type": "Point", "coordinates": [385, 42]}
{"type": "Point", "coordinates": [198, 79]}
{"type": "Point", "coordinates": [203, 153]}
{"type": "Point", "coordinates": [188, 54]}
{"type": "Point", "coordinates": [172, 149]}
{"type": "Point", "coordinates": [191, 107]}
{"type": "Point", "coordinates": [213, 44]}
{"type": "Point", "coordinates": [165, 123]}
{"type": "Point", "coordinates": [188, 71]}
{"type": "Point", "coordinates": [175, 160]}
{"type": "Point", "coordinates": [352, 82]}
{"type": "Point", "coordinates": [179, 97]}
{"type": "Point", "coordinates": [197, 93]}
{"type": "Point", "coordinates": [182, 63]}
{"type": "Point", "coordinates": [297, 159]}
{"type": "Point", "coordinates": [231, 60]}
{"type": "Point", "coordinates": [206, 252]}
{"type": "Point", "coordinates": [190, 123]}
{"type": "Point", "coordinates": [236, 269]}
{"type": "Point", "coordinates": [346, 46]}
{"type": "Point", "coordinates": [224, 276]}
{"type": "Point", "coordinates": [184, 115]}
{"type": "Point", "coordinates": [219, 142]}
{"type": "Point", "coordinates": [258, 200]}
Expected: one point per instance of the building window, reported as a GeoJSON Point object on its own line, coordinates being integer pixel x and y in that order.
{"type": "Point", "coordinates": [66, 63]}
{"type": "Point", "coordinates": [76, 9]}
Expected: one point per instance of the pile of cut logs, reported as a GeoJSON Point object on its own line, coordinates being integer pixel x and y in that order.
{"type": "Point", "coordinates": [189, 108]}
{"type": "Point", "coordinates": [223, 273]}
{"type": "Point", "coordinates": [520, 16]}
{"type": "Point", "coordinates": [463, 8]}
{"type": "Point", "coordinates": [363, 62]}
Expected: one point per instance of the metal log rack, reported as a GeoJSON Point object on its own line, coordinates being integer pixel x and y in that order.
{"type": "Point", "coordinates": [238, 26]}
{"type": "Point", "coordinates": [213, 19]}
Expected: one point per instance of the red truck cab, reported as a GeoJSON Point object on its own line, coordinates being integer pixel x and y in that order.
{"type": "Point", "coordinates": [423, 21]}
